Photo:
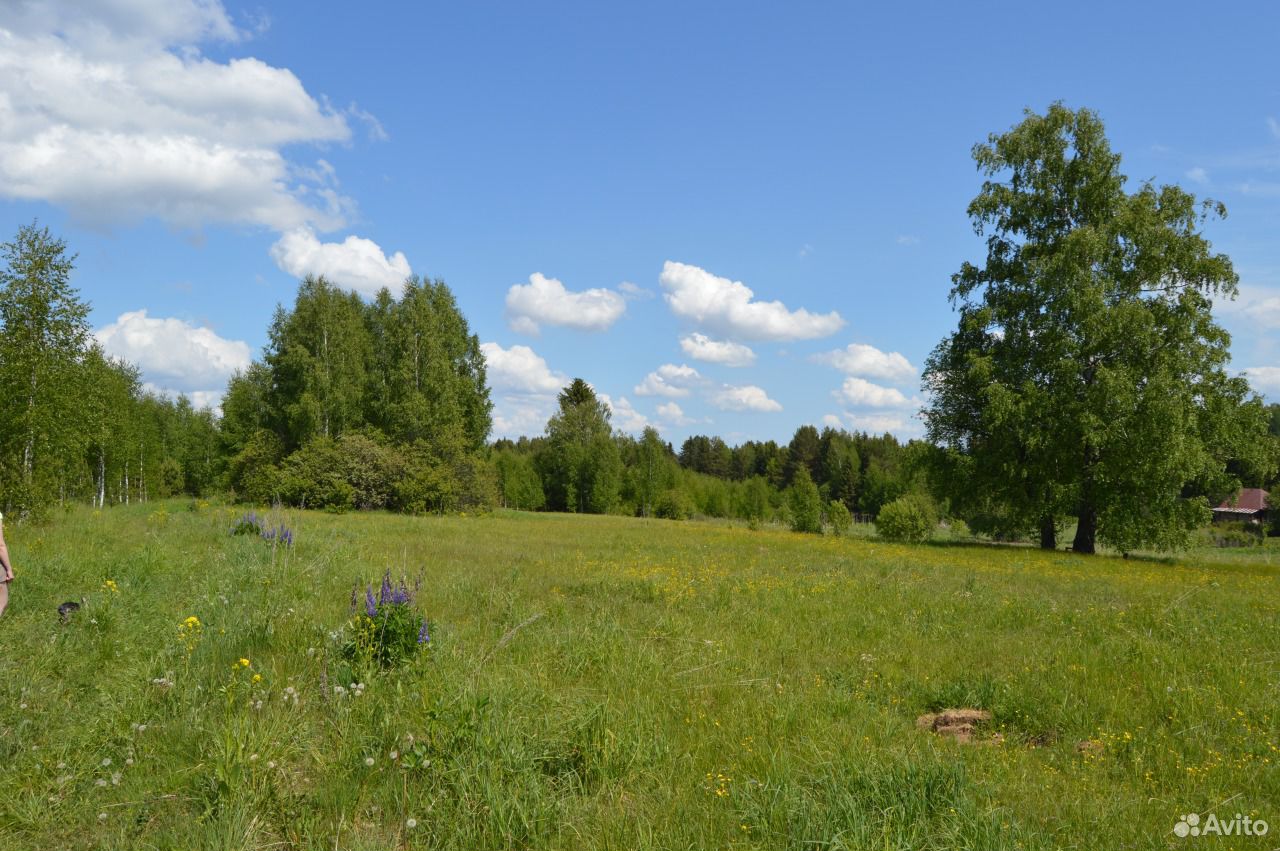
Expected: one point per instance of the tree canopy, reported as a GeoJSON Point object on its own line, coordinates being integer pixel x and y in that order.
{"type": "Point", "coordinates": [1087, 376]}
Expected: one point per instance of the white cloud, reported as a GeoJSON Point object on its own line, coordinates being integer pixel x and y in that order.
{"type": "Point", "coordinates": [545, 301]}
{"type": "Point", "coordinates": [730, 307]}
{"type": "Point", "coordinates": [1257, 305]}
{"type": "Point", "coordinates": [908, 239]}
{"type": "Point", "coordinates": [1198, 175]}
{"type": "Point", "coordinates": [111, 111]}
{"type": "Point", "coordinates": [880, 423]}
{"type": "Point", "coordinates": [520, 370]}
{"type": "Point", "coordinates": [172, 351]}
{"type": "Point", "coordinates": [175, 356]}
{"type": "Point", "coordinates": [624, 416]}
{"type": "Point", "coordinates": [1273, 126]}
{"type": "Point", "coordinates": [211, 399]}
{"type": "Point", "coordinates": [832, 421]}
{"type": "Point", "coordinates": [524, 389]}
{"type": "Point", "coordinates": [862, 393]}
{"type": "Point", "coordinates": [669, 380]}
{"type": "Point", "coordinates": [862, 359]}
{"type": "Point", "coordinates": [744, 398]}
{"type": "Point", "coordinates": [673, 414]}
{"type": "Point", "coordinates": [724, 352]}
{"type": "Point", "coordinates": [1265, 379]}
{"type": "Point", "coordinates": [355, 263]}
{"type": "Point", "coordinates": [634, 291]}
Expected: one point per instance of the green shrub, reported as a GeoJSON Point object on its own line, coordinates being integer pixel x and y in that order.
{"type": "Point", "coordinates": [804, 504]}
{"type": "Point", "coordinates": [908, 519]}
{"type": "Point", "coordinates": [673, 505]}
{"type": "Point", "coordinates": [839, 517]}
{"type": "Point", "coordinates": [387, 630]}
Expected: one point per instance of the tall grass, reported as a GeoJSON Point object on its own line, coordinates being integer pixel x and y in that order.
{"type": "Point", "coordinates": [602, 682]}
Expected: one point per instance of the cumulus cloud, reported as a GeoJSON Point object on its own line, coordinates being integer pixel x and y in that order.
{"type": "Point", "coordinates": [673, 414]}
{"type": "Point", "coordinates": [524, 389]}
{"type": "Point", "coordinates": [744, 398]}
{"type": "Point", "coordinates": [1265, 379]}
{"type": "Point", "coordinates": [354, 263]}
{"type": "Point", "coordinates": [724, 352]}
{"type": "Point", "coordinates": [624, 416]}
{"type": "Point", "coordinates": [175, 356]}
{"type": "Point", "coordinates": [730, 308]}
{"type": "Point", "coordinates": [865, 360]}
{"type": "Point", "coordinates": [545, 301]}
{"type": "Point", "coordinates": [832, 421]}
{"type": "Point", "coordinates": [859, 392]}
{"type": "Point", "coordinates": [520, 370]}
{"type": "Point", "coordinates": [669, 380]}
{"type": "Point", "coordinates": [111, 111]}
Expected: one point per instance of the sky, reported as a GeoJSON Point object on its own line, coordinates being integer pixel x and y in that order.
{"type": "Point", "coordinates": [729, 218]}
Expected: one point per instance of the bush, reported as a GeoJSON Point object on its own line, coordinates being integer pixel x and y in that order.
{"type": "Point", "coordinates": [673, 505]}
{"type": "Point", "coordinates": [804, 504]}
{"type": "Point", "coordinates": [908, 519]}
{"type": "Point", "coordinates": [839, 517]}
{"type": "Point", "coordinates": [387, 630]}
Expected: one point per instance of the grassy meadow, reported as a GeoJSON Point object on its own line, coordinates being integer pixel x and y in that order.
{"type": "Point", "coordinates": [599, 682]}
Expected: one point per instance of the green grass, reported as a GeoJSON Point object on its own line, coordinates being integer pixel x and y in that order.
{"type": "Point", "coordinates": [674, 685]}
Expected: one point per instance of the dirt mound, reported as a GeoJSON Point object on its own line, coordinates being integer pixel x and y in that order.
{"type": "Point", "coordinates": [959, 724]}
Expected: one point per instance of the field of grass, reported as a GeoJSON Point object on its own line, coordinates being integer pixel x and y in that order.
{"type": "Point", "coordinates": [597, 682]}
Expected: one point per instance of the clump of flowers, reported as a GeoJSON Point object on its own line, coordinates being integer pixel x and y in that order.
{"type": "Point", "coordinates": [248, 524]}
{"type": "Point", "coordinates": [189, 633]}
{"type": "Point", "coordinates": [281, 535]}
{"type": "Point", "coordinates": [110, 585]}
{"type": "Point", "coordinates": [385, 629]}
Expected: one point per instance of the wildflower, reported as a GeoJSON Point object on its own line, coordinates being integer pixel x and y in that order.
{"type": "Point", "coordinates": [106, 763]}
{"type": "Point", "coordinates": [271, 764]}
{"type": "Point", "coordinates": [423, 636]}
{"type": "Point", "coordinates": [368, 761]}
{"type": "Point", "coordinates": [99, 783]}
{"type": "Point", "coordinates": [115, 778]}
{"type": "Point", "coordinates": [257, 678]}
{"type": "Point", "coordinates": [394, 755]}
{"type": "Point", "coordinates": [385, 592]}
{"type": "Point", "coordinates": [102, 816]}
{"type": "Point", "coordinates": [244, 663]}
{"type": "Point", "coordinates": [129, 761]}
{"type": "Point", "coordinates": [410, 823]}
{"type": "Point", "coordinates": [110, 585]}
{"type": "Point", "coordinates": [253, 757]}
{"type": "Point", "coordinates": [370, 608]}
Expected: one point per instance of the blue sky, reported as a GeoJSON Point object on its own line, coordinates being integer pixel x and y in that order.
{"type": "Point", "coordinates": [600, 186]}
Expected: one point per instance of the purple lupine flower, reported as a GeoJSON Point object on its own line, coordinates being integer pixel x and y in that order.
{"type": "Point", "coordinates": [423, 637]}
{"type": "Point", "coordinates": [401, 596]}
{"type": "Point", "coordinates": [370, 608]}
{"type": "Point", "coordinates": [384, 593]}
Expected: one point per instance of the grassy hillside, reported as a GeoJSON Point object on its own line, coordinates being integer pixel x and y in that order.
{"type": "Point", "coordinates": [601, 682]}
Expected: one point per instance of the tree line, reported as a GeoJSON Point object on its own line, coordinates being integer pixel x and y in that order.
{"type": "Point", "coordinates": [1086, 385]}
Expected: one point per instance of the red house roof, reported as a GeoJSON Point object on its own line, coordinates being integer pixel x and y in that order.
{"type": "Point", "coordinates": [1247, 501]}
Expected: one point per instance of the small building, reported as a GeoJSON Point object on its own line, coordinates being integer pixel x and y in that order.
{"type": "Point", "coordinates": [1250, 506]}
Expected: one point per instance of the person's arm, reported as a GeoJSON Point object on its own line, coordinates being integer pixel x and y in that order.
{"type": "Point", "coordinates": [5, 564]}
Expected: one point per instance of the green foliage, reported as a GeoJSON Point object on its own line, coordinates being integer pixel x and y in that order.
{"type": "Point", "coordinates": [1087, 376]}
{"type": "Point", "coordinates": [804, 503]}
{"type": "Point", "coordinates": [580, 464]}
{"type": "Point", "coordinates": [518, 480]}
{"type": "Point", "coordinates": [839, 517]}
{"type": "Point", "coordinates": [908, 519]}
{"type": "Point", "coordinates": [673, 505]}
